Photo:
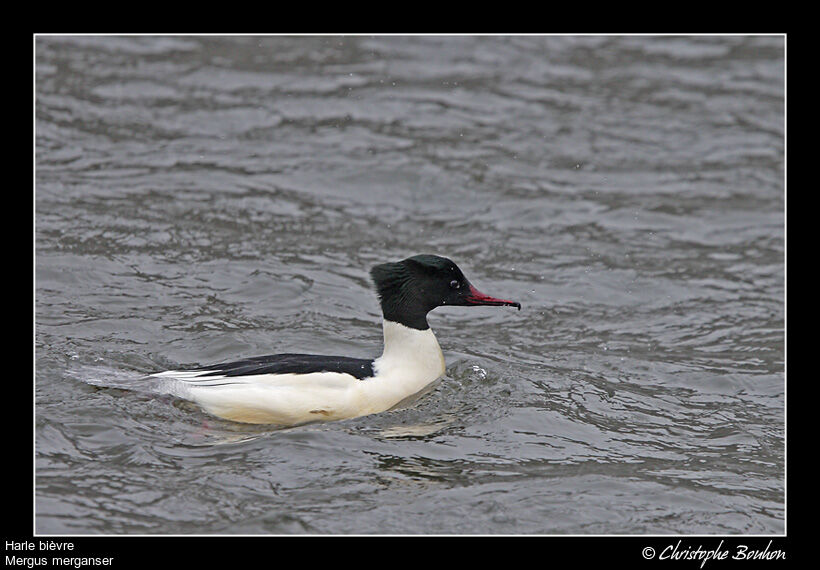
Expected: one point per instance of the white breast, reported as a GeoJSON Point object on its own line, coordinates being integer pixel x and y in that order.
{"type": "Point", "coordinates": [412, 360]}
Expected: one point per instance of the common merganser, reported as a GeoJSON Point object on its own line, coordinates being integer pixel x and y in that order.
{"type": "Point", "coordinates": [292, 389]}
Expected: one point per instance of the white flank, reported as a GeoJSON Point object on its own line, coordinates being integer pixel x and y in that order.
{"type": "Point", "coordinates": [412, 360]}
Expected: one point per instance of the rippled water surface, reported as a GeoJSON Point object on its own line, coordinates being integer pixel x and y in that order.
{"type": "Point", "coordinates": [202, 199]}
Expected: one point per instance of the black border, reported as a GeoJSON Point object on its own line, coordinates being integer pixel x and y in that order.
{"type": "Point", "coordinates": [242, 551]}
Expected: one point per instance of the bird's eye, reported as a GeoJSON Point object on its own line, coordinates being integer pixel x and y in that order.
{"type": "Point", "coordinates": [454, 284]}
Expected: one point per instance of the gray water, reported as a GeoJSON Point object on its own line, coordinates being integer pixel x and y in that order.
{"type": "Point", "coordinates": [201, 199]}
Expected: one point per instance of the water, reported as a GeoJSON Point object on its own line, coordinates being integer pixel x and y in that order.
{"type": "Point", "coordinates": [200, 199]}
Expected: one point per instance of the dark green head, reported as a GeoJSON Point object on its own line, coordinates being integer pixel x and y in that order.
{"type": "Point", "coordinates": [411, 288]}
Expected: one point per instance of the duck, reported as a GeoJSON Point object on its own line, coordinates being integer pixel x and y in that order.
{"type": "Point", "coordinates": [293, 389]}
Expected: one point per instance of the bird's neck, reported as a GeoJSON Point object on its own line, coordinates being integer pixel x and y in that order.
{"type": "Point", "coordinates": [411, 349]}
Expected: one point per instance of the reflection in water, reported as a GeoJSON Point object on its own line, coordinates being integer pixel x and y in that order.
{"type": "Point", "coordinates": [419, 431]}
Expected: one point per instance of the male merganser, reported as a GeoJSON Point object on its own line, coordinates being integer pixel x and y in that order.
{"type": "Point", "coordinates": [291, 389]}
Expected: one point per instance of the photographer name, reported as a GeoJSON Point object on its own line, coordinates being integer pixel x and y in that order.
{"type": "Point", "coordinates": [741, 552]}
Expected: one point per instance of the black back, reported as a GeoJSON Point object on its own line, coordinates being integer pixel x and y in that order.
{"type": "Point", "coordinates": [293, 364]}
